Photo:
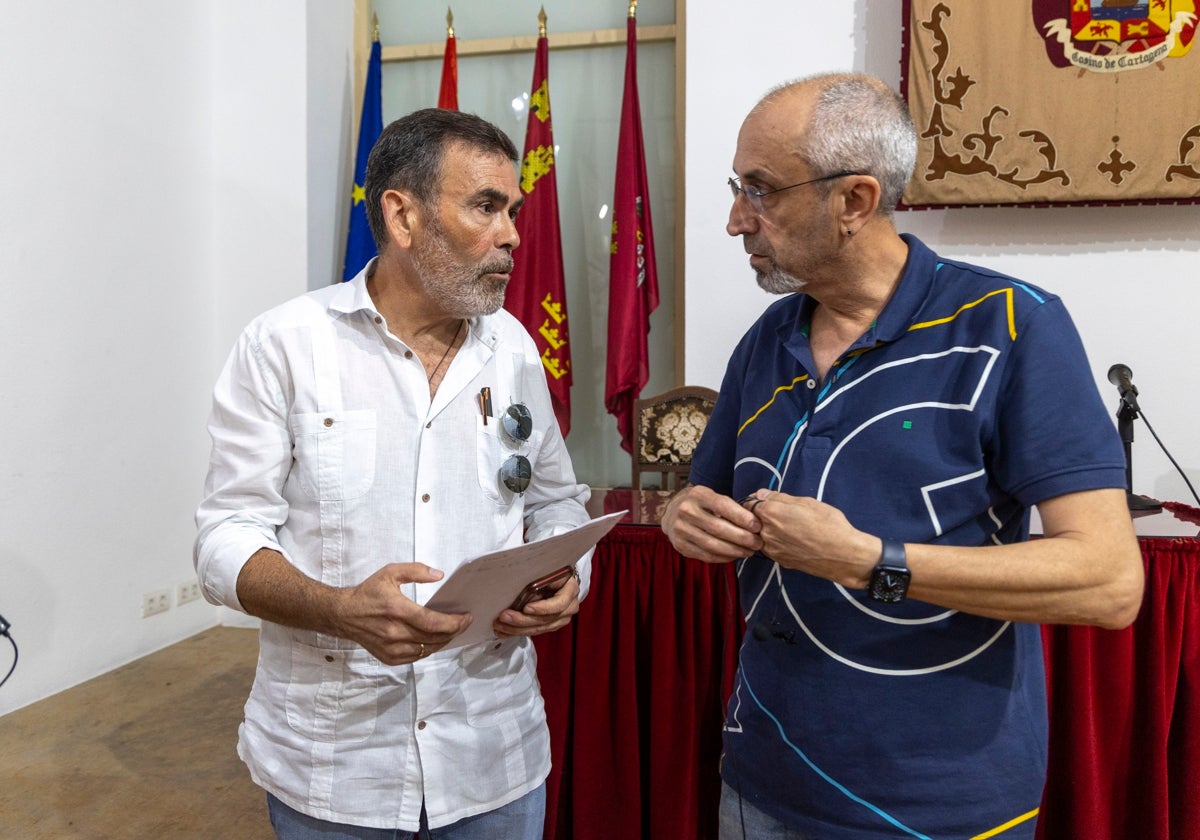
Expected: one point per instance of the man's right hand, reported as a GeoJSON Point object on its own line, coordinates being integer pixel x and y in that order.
{"type": "Point", "coordinates": [707, 526]}
{"type": "Point", "coordinates": [393, 628]}
{"type": "Point", "coordinates": [376, 614]}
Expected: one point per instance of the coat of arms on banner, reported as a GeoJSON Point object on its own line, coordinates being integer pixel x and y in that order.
{"type": "Point", "coordinates": [1073, 101]}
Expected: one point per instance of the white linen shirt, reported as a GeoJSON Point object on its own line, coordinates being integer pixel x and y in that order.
{"type": "Point", "coordinates": [328, 449]}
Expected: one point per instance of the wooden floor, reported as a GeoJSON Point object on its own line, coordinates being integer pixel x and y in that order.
{"type": "Point", "coordinates": [145, 751]}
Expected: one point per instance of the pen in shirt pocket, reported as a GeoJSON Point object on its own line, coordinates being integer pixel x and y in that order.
{"type": "Point", "coordinates": [485, 403]}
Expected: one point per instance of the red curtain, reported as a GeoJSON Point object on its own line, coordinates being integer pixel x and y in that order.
{"type": "Point", "coordinates": [1125, 714]}
{"type": "Point", "coordinates": [635, 694]}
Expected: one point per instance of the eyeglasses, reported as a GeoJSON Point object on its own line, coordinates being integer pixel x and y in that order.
{"type": "Point", "coordinates": [516, 471]}
{"type": "Point", "coordinates": [755, 195]}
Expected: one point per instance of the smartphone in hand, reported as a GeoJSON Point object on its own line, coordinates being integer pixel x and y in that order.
{"type": "Point", "coordinates": [543, 587]}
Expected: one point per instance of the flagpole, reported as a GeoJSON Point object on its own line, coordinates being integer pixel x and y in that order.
{"type": "Point", "coordinates": [449, 22]}
{"type": "Point", "coordinates": [542, 23]}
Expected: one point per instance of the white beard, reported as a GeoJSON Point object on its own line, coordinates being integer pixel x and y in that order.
{"type": "Point", "coordinates": [778, 282]}
{"type": "Point", "coordinates": [462, 291]}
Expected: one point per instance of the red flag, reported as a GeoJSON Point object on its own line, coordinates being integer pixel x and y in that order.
{"type": "Point", "coordinates": [537, 294]}
{"type": "Point", "coordinates": [632, 276]}
{"type": "Point", "coordinates": [448, 93]}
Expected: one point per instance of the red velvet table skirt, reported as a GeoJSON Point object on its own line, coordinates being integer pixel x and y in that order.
{"type": "Point", "coordinates": [635, 691]}
{"type": "Point", "coordinates": [1125, 714]}
{"type": "Point", "coordinates": [635, 694]}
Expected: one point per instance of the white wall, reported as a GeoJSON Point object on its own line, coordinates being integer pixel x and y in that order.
{"type": "Point", "coordinates": [1129, 275]}
{"type": "Point", "coordinates": [155, 176]}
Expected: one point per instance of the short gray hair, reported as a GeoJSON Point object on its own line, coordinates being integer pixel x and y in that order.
{"type": "Point", "coordinates": [858, 124]}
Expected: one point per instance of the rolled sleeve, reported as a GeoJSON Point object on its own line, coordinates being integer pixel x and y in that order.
{"type": "Point", "coordinates": [243, 505]}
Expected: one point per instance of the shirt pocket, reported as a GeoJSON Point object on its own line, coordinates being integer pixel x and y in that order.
{"type": "Point", "coordinates": [505, 674]}
{"type": "Point", "coordinates": [494, 447]}
{"type": "Point", "coordinates": [332, 695]}
{"type": "Point", "coordinates": [334, 453]}
{"type": "Point", "coordinates": [488, 446]}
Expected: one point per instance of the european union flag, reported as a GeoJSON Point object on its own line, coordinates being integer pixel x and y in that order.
{"type": "Point", "coordinates": [360, 245]}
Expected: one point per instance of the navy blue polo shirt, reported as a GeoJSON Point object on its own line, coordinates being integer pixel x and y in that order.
{"type": "Point", "coordinates": [967, 401]}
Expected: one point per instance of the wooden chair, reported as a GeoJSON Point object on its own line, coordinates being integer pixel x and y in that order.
{"type": "Point", "coordinates": [666, 429]}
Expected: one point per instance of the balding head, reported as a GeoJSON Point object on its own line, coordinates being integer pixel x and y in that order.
{"type": "Point", "coordinates": [846, 121]}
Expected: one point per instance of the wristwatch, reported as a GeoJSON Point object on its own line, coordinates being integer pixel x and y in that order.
{"type": "Point", "coordinates": [890, 577]}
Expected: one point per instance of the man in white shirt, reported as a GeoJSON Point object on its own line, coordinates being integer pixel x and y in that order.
{"type": "Point", "coordinates": [368, 438]}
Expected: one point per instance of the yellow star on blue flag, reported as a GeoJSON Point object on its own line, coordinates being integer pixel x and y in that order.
{"type": "Point", "coordinates": [360, 244]}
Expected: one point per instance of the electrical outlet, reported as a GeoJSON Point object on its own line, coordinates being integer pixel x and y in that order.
{"type": "Point", "coordinates": [187, 592]}
{"type": "Point", "coordinates": [156, 602]}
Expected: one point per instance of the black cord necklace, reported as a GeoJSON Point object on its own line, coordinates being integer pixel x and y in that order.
{"type": "Point", "coordinates": [449, 347]}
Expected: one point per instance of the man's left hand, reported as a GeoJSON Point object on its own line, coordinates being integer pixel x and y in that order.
{"type": "Point", "coordinates": [541, 616]}
{"type": "Point", "coordinates": [802, 533]}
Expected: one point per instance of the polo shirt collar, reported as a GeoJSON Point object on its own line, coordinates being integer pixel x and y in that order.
{"type": "Point", "coordinates": [898, 314]}
{"type": "Point", "coordinates": [906, 303]}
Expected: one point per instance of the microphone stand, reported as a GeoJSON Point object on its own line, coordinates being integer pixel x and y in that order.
{"type": "Point", "coordinates": [1126, 414]}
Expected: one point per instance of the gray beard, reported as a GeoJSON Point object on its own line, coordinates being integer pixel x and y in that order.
{"type": "Point", "coordinates": [461, 291]}
{"type": "Point", "coordinates": [778, 282]}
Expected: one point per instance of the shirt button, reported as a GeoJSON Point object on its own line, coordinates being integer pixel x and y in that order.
{"type": "Point", "coordinates": [424, 497]}
{"type": "Point", "coordinates": [430, 423]}
{"type": "Point", "coordinates": [497, 645]}
{"type": "Point", "coordinates": [408, 354]}
{"type": "Point", "coordinates": [421, 725]}
{"type": "Point", "coordinates": [328, 422]}
{"type": "Point", "coordinates": [812, 383]}
{"type": "Point", "coordinates": [378, 320]}
{"type": "Point", "coordinates": [328, 658]}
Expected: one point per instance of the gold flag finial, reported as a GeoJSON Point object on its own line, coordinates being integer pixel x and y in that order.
{"type": "Point", "coordinates": [542, 23]}
{"type": "Point", "coordinates": [375, 24]}
{"type": "Point", "coordinates": [633, 8]}
{"type": "Point", "coordinates": [449, 22]}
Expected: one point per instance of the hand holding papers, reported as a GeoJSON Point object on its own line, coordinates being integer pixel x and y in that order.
{"type": "Point", "coordinates": [487, 585]}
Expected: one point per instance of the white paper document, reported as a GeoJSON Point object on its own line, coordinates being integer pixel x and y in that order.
{"type": "Point", "coordinates": [486, 585]}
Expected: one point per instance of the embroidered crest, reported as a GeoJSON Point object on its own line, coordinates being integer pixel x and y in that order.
{"type": "Point", "coordinates": [1112, 36]}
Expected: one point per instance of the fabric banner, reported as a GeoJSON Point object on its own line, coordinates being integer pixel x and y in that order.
{"type": "Point", "coordinates": [537, 293]}
{"type": "Point", "coordinates": [448, 92]}
{"type": "Point", "coordinates": [1058, 102]}
{"type": "Point", "coordinates": [633, 277]}
{"type": "Point", "coordinates": [360, 244]}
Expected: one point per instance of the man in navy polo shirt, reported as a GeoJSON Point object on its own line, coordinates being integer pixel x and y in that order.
{"type": "Point", "coordinates": [881, 434]}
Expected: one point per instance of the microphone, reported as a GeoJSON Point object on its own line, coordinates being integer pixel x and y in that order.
{"type": "Point", "coordinates": [1121, 376]}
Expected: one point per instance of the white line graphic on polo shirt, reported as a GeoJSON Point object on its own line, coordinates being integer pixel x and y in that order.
{"type": "Point", "coordinates": [926, 492]}
{"type": "Point", "coordinates": [735, 702]}
{"type": "Point", "coordinates": [968, 404]}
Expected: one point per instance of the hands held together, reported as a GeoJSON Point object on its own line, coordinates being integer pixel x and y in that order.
{"type": "Point", "coordinates": [797, 532]}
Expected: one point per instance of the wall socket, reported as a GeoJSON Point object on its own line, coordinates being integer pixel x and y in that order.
{"type": "Point", "coordinates": [187, 592]}
{"type": "Point", "coordinates": [156, 602]}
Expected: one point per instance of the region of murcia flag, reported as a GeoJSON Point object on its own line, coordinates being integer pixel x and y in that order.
{"type": "Point", "coordinates": [537, 294]}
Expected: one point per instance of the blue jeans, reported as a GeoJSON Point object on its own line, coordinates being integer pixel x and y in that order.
{"type": "Point", "coordinates": [519, 820]}
{"type": "Point", "coordinates": [739, 820]}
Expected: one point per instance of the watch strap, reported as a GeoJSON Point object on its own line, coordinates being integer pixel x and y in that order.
{"type": "Point", "coordinates": [894, 555]}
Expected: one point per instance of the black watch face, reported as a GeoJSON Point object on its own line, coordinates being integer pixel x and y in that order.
{"type": "Point", "coordinates": [889, 585]}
